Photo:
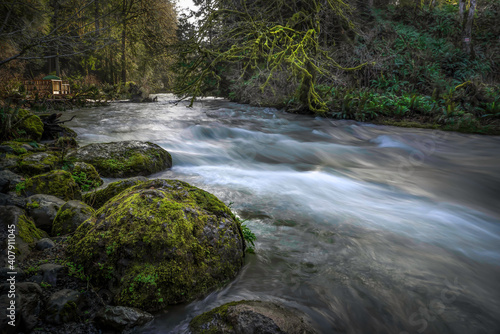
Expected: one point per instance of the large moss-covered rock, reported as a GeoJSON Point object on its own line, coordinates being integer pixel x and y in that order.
{"type": "Point", "coordinates": [158, 243]}
{"type": "Point", "coordinates": [37, 163]}
{"type": "Point", "coordinates": [96, 198]}
{"type": "Point", "coordinates": [70, 216]}
{"type": "Point", "coordinates": [126, 158]}
{"type": "Point", "coordinates": [248, 316]}
{"type": "Point", "coordinates": [14, 221]}
{"type": "Point", "coordinates": [58, 183]}
{"type": "Point", "coordinates": [31, 124]}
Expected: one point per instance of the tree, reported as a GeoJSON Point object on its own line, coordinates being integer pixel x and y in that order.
{"type": "Point", "coordinates": [264, 38]}
{"type": "Point", "coordinates": [33, 30]}
{"type": "Point", "coordinates": [467, 27]}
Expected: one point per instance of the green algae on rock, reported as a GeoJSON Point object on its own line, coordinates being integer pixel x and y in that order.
{"type": "Point", "coordinates": [96, 198]}
{"type": "Point", "coordinates": [126, 158]}
{"type": "Point", "coordinates": [160, 242]}
{"type": "Point", "coordinates": [58, 183]}
{"type": "Point", "coordinates": [250, 316]}
{"type": "Point", "coordinates": [70, 216]}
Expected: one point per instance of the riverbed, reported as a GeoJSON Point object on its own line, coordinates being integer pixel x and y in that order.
{"type": "Point", "coordinates": [366, 228]}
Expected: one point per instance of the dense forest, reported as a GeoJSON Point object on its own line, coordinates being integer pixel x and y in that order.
{"type": "Point", "coordinates": [410, 63]}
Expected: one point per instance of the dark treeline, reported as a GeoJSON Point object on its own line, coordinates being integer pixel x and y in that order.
{"type": "Point", "coordinates": [90, 42]}
{"type": "Point", "coordinates": [427, 63]}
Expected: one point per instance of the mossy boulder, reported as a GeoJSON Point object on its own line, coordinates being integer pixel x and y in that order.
{"type": "Point", "coordinates": [58, 183]}
{"type": "Point", "coordinates": [32, 125]}
{"type": "Point", "coordinates": [37, 163]}
{"type": "Point", "coordinates": [15, 221]}
{"type": "Point", "coordinates": [96, 198]}
{"type": "Point", "coordinates": [86, 176]}
{"type": "Point", "coordinates": [126, 158]}
{"type": "Point", "coordinates": [248, 316]}
{"type": "Point", "coordinates": [70, 216]}
{"type": "Point", "coordinates": [160, 242]}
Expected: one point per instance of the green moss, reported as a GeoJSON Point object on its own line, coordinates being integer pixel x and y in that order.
{"type": "Point", "coordinates": [16, 146]}
{"type": "Point", "coordinates": [32, 124]}
{"type": "Point", "coordinates": [61, 218]}
{"type": "Point", "coordinates": [37, 163]}
{"type": "Point", "coordinates": [162, 242]}
{"type": "Point", "coordinates": [198, 324]}
{"type": "Point", "coordinates": [98, 197]}
{"type": "Point", "coordinates": [58, 183]}
{"type": "Point", "coordinates": [27, 230]}
{"type": "Point", "coordinates": [33, 205]}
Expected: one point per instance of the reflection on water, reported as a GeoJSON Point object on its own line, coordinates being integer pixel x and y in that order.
{"type": "Point", "coordinates": [368, 229]}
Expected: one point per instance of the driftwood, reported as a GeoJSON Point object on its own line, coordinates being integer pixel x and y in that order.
{"type": "Point", "coordinates": [52, 128]}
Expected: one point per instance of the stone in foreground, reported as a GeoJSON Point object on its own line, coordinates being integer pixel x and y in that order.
{"type": "Point", "coordinates": [125, 158]}
{"type": "Point", "coordinates": [158, 243]}
{"type": "Point", "coordinates": [247, 317]}
{"type": "Point", "coordinates": [122, 318]}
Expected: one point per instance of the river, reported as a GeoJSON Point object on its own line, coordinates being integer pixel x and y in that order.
{"type": "Point", "coordinates": [367, 229]}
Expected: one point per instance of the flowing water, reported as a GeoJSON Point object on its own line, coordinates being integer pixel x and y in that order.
{"type": "Point", "coordinates": [367, 229]}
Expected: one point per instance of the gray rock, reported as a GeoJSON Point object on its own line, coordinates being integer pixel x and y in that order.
{"type": "Point", "coordinates": [62, 307]}
{"type": "Point", "coordinates": [12, 199]}
{"type": "Point", "coordinates": [43, 209]}
{"type": "Point", "coordinates": [8, 161]}
{"type": "Point", "coordinates": [248, 317]}
{"type": "Point", "coordinates": [44, 243]}
{"type": "Point", "coordinates": [28, 307]}
{"type": "Point", "coordinates": [70, 216]}
{"type": "Point", "coordinates": [126, 158]}
{"type": "Point", "coordinates": [50, 272]}
{"type": "Point", "coordinates": [8, 180]}
{"type": "Point", "coordinates": [13, 220]}
{"type": "Point", "coordinates": [121, 318]}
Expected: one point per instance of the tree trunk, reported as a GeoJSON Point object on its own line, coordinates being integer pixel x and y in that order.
{"type": "Point", "coordinates": [467, 30]}
{"type": "Point", "coordinates": [96, 14]}
{"type": "Point", "coordinates": [461, 10]}
{"type": "Point", "coordinates": [124, 41]}
{"type": "Point", "coordinates": [58, 67]}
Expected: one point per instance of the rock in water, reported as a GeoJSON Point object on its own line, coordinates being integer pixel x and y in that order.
{"type": "Point", "coordinates": [248, 317]}
{"type": "Point", "coordinates": [160, 242]}
{"type": "Point", "coordinates": [125, 158]}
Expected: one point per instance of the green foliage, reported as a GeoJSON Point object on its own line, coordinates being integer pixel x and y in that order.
{"type": "Point", "coordinates": [249, 237]}
{"type": "Point", "coordinates": [83, 181]}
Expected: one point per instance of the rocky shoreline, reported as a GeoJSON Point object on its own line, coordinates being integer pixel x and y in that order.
{"type": "Point", "coordinates": [93, 259]}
